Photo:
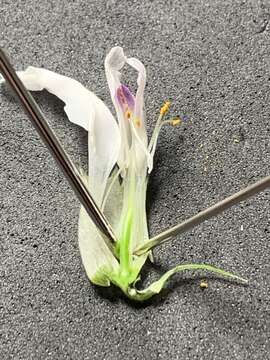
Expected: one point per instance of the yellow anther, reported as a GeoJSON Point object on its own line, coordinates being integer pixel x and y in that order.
{"type": "Point", "coordinates": [175, 121]}
{"type": "Point", "coordinates": [128, 114]}
{"type": "Point", "coordinates": [165, 108]}
{"type": "Point", "coordinates": [203, 284]}
{"type": "Point", "coordinates": [137, 122]}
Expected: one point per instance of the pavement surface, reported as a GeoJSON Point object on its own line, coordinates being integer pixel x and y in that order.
{"type": "Point", "coordinates": [211, 58]}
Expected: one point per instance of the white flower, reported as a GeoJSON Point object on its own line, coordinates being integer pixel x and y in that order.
{"type": "Point", "coordinates": [123, 143]}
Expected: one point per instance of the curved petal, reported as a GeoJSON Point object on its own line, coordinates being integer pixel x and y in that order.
{"type": "Point", "coordinates": [131, 118]}
{"type": "Point", "coordinates": [83, 108]}
{"type": "Point", "coordinates": [138, 128]}
{"type": "Point", "coordinates": [114, 62]}
{"type": "Point", "coordinates": [139, 103]}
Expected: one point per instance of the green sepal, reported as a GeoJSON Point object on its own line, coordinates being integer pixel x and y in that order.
{"type": "Point", "coordinates": [157, 286]}
{"type": "Point", "coordinates": [99, 261]}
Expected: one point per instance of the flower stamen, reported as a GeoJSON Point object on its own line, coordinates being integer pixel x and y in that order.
{"type": "Point", "coordinates": [138, 122]}
{"type": "Point", "coordinates": [128, 114]}
{"type": "Point", "coordinates": [165, 108]}
{"type": "Point", "coordinates": [175, 121]}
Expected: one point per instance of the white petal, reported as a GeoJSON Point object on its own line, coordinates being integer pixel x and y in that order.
{"type": "Point", "coordinates": [143, 157]}
{"type": "Point", "coordinates": [83, 108]}
{"type": "Point", "coordinates": [114, 62]}
{"type": "Point", "coordinates": [140, 132]}
{"type": "Point", "coordinates": [141, 82]}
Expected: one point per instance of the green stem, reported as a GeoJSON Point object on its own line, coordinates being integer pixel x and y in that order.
{"type": "Point", "coordinates": [125, 255]}
{"type": "Point", "coordinates": [124, 246]}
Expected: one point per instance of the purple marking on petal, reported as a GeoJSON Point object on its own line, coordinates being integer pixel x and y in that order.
{"type": "Point", "coordinates": [125, 97]}
{"type": "Point", "coordinates": [120, 97]}
{"type": "Point", "coordinates": [128, 96]}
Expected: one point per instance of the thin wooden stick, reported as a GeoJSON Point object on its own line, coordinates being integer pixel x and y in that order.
{"type": "Point", "coordinates": [206, 214]}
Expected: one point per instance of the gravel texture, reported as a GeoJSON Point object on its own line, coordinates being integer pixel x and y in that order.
{"type": "Point", "coordinates": [211, 58]}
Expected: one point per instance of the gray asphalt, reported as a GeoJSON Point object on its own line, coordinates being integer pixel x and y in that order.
{"type": "Point", "coordinates": [212, 60]}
